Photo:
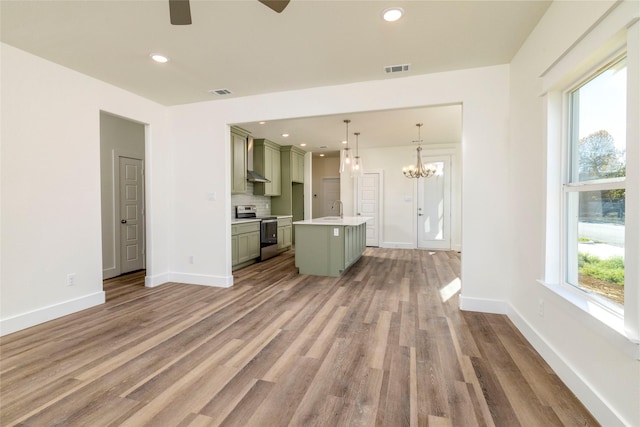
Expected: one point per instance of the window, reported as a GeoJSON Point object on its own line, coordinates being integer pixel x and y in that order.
{"type": "Point", "coordinates": [594, 187]}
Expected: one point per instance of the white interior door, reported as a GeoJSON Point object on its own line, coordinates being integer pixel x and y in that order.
{"type": "Point", "coordinates": [434, 206]}
{"type": "Point", "coordinates": [368, 204]}
{"type": "Point", "coordinates": [131, 214]}
{"type": "Point", "coordinates": [330, 193]}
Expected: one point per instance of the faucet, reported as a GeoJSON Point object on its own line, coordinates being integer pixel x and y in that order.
{"type": "Point", "coordinates": [333, 206]}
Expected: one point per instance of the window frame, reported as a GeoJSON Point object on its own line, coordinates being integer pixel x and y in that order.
{"type": "Point", "coordinates": [618, 34]}
{"type": "Point", "coordinates": [571, 185]}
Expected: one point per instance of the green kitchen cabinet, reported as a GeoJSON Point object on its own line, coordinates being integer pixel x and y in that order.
{"type": "Point", "coordinates": [328, 250]}
{"type": "Point", "coordinates": [291, 198]}
{"type": "Point", "coordinates": [285, 234]}
{"type": "Point", "coordinates": [297, 166]}
{"type": "Point", "coordinates": [245, 244]}
{"type": "Point", "coordinates": [238, 160]}
{"type": "Point", "coordinates": [266, 161]}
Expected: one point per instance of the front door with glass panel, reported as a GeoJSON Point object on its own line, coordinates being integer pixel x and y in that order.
{"type": "Point", "coordinates": [434, 206]}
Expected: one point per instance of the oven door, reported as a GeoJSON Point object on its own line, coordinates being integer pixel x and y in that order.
{"type": "Point", "coordinates": [268, 232]}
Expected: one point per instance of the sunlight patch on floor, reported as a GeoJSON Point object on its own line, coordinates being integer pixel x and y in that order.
{"type": "Point", "coordinates": [450, 290]}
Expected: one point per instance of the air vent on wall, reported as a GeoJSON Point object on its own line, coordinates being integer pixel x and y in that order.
{"type": "Point", "coordinates": [396, 68]}
{"type": "Point", "coordinates": [220, 91]}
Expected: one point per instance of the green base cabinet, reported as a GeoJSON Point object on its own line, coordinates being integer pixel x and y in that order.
{"type": "Point", "coordinates": [285, 234]}
{"type": "Point", "coordinates": [245, 244]}
{"type": "Point", "coordinates": [328, 250]}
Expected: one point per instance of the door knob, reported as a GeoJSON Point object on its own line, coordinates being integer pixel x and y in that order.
{"type": "Point", "coordinates": [123, 221]}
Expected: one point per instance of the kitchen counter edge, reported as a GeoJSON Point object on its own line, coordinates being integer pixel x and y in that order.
{"type": "Point", "coordinates": [347, 220]}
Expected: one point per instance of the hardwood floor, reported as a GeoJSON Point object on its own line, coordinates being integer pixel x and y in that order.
{"type": "Point", "coordinates": [384, 345]}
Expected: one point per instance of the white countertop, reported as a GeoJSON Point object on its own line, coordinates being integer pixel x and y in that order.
{"type": "Point", "coordinates": [243, 220]}
{"type": "Point", "coordinates": [335, 220]}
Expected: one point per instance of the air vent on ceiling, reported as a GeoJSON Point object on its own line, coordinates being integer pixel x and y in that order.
{"type": "Point", "coordinates": [220, 91]}
{"type": "Point", "coordinates": [396, 68]}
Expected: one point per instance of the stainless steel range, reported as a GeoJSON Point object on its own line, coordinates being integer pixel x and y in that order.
{"type": "Point", "coordinates": [268, 230]}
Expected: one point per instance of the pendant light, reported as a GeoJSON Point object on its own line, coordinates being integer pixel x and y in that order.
{"type": "Point", "coordinates": [357, 161]}
{"type": "Point", "coordinates": [345, 154]}
{"type": "Point", "coordinates": [419, 170]}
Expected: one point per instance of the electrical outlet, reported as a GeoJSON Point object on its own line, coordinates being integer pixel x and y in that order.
{"type": "Point", "coordinates": [541, 307]}
{"type": "Point", "coordinates": [71, 279]}
{"type": "Point", "coordinates": [336, 232]}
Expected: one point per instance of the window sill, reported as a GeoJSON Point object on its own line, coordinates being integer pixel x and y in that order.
{"type": "Point", "coordinates": [606, 323]}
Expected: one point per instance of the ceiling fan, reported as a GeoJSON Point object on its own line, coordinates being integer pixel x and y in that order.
{"type": "Point", "coordinates": [180, 11]}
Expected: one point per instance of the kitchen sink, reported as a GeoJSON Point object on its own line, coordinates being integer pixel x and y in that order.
{"type": "Point", "coordinates": [329, 218]}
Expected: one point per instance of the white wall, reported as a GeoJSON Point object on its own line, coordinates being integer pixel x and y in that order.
{"type": "Point", "coordinates": [50, 221]}
{"type": "Point", "coordinates": [399, 229]}
{"type": "Point", "coordinates": [597, 368]}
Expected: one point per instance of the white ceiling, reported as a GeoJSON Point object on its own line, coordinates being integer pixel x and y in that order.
{"type": "Point", "coordinates": [247, 48]}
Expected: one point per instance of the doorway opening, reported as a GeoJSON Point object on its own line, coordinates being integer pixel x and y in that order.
{"type": "Point", "coordinates": [122, 157]}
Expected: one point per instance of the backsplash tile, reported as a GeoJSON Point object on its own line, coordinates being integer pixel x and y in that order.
{"type": "Point", "coordinates": [249, 198]}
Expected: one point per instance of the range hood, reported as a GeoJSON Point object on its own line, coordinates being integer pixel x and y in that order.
{"type": "Point", "coordinates": [252, 176]}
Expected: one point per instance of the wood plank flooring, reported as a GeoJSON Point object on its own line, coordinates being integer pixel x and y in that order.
{"type": "Point", "coordinates": [384, 345]}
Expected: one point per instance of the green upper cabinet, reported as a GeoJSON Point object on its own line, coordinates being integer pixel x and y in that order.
{"type": "Point", "coordinates": [297, 166]}
{"type": "Point", "coordinates": [291, 198]}
{"type": "Point", "coordinates": [238, 160]}
{"type": "Point", "coordinates": [292, 164]}
{"type": "Point", "coordinates": [266, 161]}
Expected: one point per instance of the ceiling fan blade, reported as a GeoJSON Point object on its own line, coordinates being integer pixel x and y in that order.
{"type": "Point", "coordinates": [180, 12]}
{"type": "Point", "coordinates": [275, 5]}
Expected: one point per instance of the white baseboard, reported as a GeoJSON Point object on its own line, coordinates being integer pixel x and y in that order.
{"type": "Point", "coordinates": [189, 279]}
{"type": "Point", "coordinates": [404, 245]}
{"type": "Point", "coordinates": [45, 314]}
{"type": "Point", "coordinates": [202, 279]}
{"type": "Point", "coordinates": [108, 273]}
{"type": "Point", "coordinates": [397, 245]}
{"type": "Point", "coordinates": [51, 312]}
{"type": "Point", "coordinates": [157, 280]}
{"type": "Point", "coordinates": [585, 393]}
{"type": "Point", "coordinates": [483, 305]}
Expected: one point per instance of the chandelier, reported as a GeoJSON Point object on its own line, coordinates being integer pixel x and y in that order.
{"type": "Point", "coordinates": [419, 170]}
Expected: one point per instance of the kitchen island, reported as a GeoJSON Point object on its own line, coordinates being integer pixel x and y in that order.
{"type": "Point", "coordinates": [328, 246]}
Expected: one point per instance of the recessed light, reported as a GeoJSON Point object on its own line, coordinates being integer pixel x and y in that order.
{"type": "Point", "coordinates": [392, 14]}
{"type": "Point", "coordinates": [261, 123]}
{"type": "Point", "coordinates": [344, 142]}
{"type": "Point", "coordinates": [303, 145]}
{"type": "Point", "coordinates": [159, 58]}
{"type": "Point", "coordinates": [285, 135]}
{"type": "Point", "coordinates": [321, 155]}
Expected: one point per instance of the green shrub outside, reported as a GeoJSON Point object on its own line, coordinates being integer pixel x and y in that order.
{"type": "Point", "coordinates": [609, 270]}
